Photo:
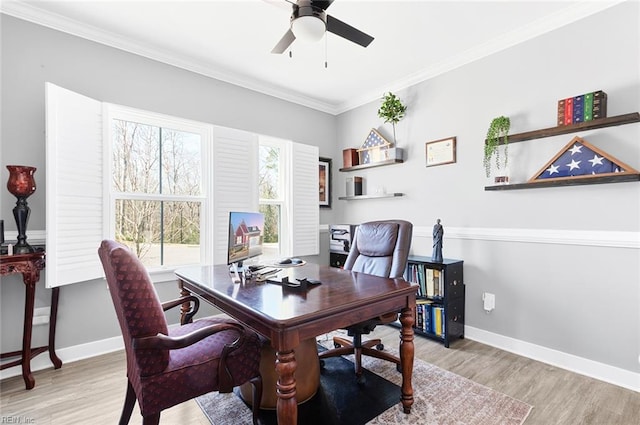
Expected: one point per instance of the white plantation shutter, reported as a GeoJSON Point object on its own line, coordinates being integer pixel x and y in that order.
{"type": "Point", "coordinates": [74, 198]}
{"type": "Point", "coordinates": [235, 183]}
{"type": "Point", "coordinates": [305, 209]}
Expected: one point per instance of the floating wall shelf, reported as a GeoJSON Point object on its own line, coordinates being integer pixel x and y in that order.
{"type": "Point", "coordinates": [372, 165]}
{"type": "Point", "coordinates": [385, 195]}
{"type": "Point", "coordinates": [575, 181]}
{"type": "Point", "coordinates": [566, 129]}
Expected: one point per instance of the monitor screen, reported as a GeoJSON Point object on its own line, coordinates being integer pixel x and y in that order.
{"type": "Point", "coordinates": [246, 233]}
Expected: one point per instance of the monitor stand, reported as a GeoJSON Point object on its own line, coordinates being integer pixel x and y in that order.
{"type": "Point", "coordinates": [237, 270]}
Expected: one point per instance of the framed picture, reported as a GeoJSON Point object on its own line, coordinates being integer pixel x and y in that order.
{"type": "Point", "coordinates": [324, 177]}
{"type": "Point", "coordinates": [441, 151]}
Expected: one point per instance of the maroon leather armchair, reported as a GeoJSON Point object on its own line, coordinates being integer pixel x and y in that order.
{"type": "Point", "coordinates": [167, 367]}
{"type": "Point", "coordinates": [380, 248]}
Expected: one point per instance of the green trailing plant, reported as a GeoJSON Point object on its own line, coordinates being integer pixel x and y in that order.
{"type": "Point", "coordinates": [497, 133]}
{"type": "Point", "coordinates": [392, 110]}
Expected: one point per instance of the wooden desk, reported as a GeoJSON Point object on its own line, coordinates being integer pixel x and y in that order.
{"type": "Point", "coordinates": [30, 265]}
{"type": "Point", "coordinates": [287, 316]}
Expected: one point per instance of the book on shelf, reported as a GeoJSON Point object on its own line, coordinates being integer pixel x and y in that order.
{"type": "Point", "coordinates": [424, 315]}
{"type": "Point", "coordinates": [568, 111]}
{"type": "Point", "coordinates": [578, 109]}
{"type": "Point", "coordinates": [588, 107]}
{"type": "Point", "coordinates": [561, 103]}
{"type": "Point", "coordinates": [437, 320]}
{"type": "Point", "coordinates": [585, 107]}
{"type": "Point", "coordinates": [599, 104]}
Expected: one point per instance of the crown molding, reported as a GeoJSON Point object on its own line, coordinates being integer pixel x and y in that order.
{"type": "Point", "coordinates": [28, 12]}
{"type": "Point", "coordinates": [549, 23]}
{"type": "Point", "coordinates": [542, 26]}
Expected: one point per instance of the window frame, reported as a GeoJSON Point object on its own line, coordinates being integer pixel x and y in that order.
{"type": "Point", "coordinates": [204, 130]}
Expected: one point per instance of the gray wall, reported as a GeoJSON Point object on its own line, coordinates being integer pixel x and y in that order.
{"type": "Point", "coordinates": [578, 299]}
{"type": "Point", "coordinates": [581, 300]}
{"type": "Point", "coordinates": [33, 55]}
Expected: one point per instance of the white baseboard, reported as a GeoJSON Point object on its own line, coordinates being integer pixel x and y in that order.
{"type": "Point", "coordinates": [590, 368]}
{"type": "Point", "coordinates": [70, 355]}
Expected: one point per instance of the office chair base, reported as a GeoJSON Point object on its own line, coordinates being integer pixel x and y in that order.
{"type": "Point", "coordinates": [346, 347]}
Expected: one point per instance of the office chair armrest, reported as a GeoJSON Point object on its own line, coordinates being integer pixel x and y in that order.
{"type": "Point", "coordinates": [165, 342]}
{"type": "Point", "coordinates": [192, 299]}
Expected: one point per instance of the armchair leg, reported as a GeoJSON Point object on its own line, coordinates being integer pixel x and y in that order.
{"type": "Point", "coordinates": [129, 402]}
{"type": "Point", "coordinates": [151, 420]}
{"type": "Point", "coordinates": [256, 383]}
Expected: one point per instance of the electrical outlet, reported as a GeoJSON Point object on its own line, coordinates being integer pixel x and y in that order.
{"type": "Point", "coordinates": [41, 315]}
{"type": "Point", "coordinates": [489, 301]}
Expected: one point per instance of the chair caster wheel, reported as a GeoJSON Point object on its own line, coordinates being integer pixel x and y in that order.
{"type": "Point", "coordinates": [336, 345]}
{"type": "Point", "coordinates": [380, 347]}
{"type": "Point", "coordinates": [360, 380]}
{"type": "Point", "coordinates": [399, 368]}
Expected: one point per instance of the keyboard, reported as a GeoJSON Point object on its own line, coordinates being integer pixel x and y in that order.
{"type": "Point", "coordinates": [256, 268]}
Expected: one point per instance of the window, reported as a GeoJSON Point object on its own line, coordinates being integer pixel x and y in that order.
{"type": "Point", "coordinates": [156, 187]}
{"type": "Point", "coordinates": [164, 186]}
{"type": "Point", "coordinates": [288, 188]}
{"type": "Point", "coordinates": [271, 190]}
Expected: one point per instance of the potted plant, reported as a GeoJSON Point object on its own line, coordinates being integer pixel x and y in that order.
{"type": "Point", "coordinates": [496, 135]}
{"type": "Point", "coordinates": [392, 110]}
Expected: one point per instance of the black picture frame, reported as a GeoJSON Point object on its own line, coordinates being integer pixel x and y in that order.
{"type": "Point", "coordinates": [324, 180]}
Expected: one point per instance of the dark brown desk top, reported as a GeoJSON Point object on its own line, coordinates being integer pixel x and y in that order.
{"type": "Point", "coordinates": [340, 290]}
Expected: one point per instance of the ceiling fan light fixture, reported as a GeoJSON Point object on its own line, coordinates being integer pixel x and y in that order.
{"type": "Point", "coordinates": [308, 24]}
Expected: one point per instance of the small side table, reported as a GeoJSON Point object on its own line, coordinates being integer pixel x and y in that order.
{"type": "Point", "coordinates": [30, 265]}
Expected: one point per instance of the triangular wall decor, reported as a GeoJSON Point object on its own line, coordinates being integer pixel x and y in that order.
{"type": "Point", "coordinates": [581, 160]}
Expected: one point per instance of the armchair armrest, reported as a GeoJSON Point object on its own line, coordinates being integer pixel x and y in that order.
{"type": "Point", "coordinates": [165, 342]}
{"type": "Point", "coordinates": [161, 341]}
{"type": "Point", "coordinates": [188, 318]}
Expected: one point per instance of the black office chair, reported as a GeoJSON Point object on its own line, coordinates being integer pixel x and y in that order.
{"type": "Point", "coordinates": [379, 248]}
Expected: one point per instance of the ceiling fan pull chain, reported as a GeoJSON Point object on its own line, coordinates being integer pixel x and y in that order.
{"type": "Point", "coordinates": [326, 50]}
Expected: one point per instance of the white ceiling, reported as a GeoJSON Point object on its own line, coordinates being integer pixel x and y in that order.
{"type": "Point", "coordinates": [232, 40]}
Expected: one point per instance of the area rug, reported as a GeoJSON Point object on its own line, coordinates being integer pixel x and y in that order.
{"type": "Point", "coordinates": [440, 398]}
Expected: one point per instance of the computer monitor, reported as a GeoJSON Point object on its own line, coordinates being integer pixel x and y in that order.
{"type": "Point", "coordinates": [246, 234]}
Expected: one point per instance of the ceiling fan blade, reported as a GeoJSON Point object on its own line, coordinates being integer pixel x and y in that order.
{"type": "Point", "coordinates": [284, 42]}
{"type": "Point", "coordinates": [321, 4]}
{"type": "Point", "coordinates": [338, 27]}
{"type": "Point", "coordinates": [282, 4]}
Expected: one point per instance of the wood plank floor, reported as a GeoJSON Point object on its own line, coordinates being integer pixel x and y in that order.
{"type": "Point", "coordinates": [92, 391]}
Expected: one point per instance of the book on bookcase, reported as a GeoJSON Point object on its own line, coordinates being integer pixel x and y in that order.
{"type": "Point", "coordinates": [440, 298]}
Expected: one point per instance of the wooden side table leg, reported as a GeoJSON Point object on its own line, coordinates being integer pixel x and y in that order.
{"type": "Point", "coordinates": [406, 357]}
{"type": "Point", "coordinates": [29, 304]}
{"type": "Point", "coordinates": [53, 317]}
{"type": "Point", "coordinates": [286, 405]}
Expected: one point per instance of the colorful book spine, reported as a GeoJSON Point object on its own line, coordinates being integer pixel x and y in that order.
{"type": "Point", "coordinates": [427, 326]}
{"type": "Point", "coordinates": [578, 109]}
{"type": "Point", "coordinates": [568, 111]}
{"type": "Point", "coordinates": [561, 103]}
{"type": "Point", "coordinates": [437, 320]}
{"type": "Point", "coordinates": [420, 316]}
{"type": "Point", "coordinates": [588, 107]}
{"type": "Point", "coordinates": [599, 105]}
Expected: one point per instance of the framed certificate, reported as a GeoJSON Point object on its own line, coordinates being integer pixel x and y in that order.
{"type": "Point", "coordinates": [441, 151]}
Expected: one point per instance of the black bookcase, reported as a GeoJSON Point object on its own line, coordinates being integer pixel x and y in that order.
{"type": "Point", "coordinates": [441, 296]}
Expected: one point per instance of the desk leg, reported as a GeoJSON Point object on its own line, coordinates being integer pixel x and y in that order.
{"type": "Point", "coordinates": [406, 357]}
{"type": "Point", "coordinates": [184, 308]}
{"type": "Point", "coordinates": [53, 317]}
{"type": "Point", "coordinates": [286, 406]}
{"type": "Point", "coordinates": [29, 304]}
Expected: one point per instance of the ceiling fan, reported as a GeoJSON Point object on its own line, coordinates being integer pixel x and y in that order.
{"type": "Point", "coordinates": [309, 21]}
